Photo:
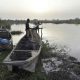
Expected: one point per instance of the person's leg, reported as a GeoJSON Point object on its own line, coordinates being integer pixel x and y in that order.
{"type": "Point", "coordinates": [27, 33]}
{"type": "Point", "coordinates": [30, 31]}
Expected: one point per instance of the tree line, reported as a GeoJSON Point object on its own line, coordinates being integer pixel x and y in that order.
{"type": "Point", "coordinates": [55, 21]}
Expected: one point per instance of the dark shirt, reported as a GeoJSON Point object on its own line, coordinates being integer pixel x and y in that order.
{"type": "Point", "coordinates": [27, 26]}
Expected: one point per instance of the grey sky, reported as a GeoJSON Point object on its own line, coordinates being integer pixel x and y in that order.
{"type": "Point", "coordinates": [42, 9]}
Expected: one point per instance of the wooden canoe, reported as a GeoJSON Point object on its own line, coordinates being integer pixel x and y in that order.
{"type": "Point", "coordinates": [25, 54]}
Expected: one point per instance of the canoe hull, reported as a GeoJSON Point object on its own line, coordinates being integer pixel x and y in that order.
{"type": "Point", "coordinates": [25, 65]}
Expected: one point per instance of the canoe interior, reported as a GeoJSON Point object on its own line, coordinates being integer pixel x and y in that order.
{"type": "Point", "coordinates": [24, 49]}
{"type": "Point", "coordinates": [27, 44]}
{"type": "Point", "coordinates": [20, 55]}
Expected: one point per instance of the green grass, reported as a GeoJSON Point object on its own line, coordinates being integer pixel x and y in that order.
{"type": "Point", "coordinates": [3, 54]}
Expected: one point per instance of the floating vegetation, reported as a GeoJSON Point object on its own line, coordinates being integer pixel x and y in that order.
{"type": "Point", "coordinates": [16, 32]}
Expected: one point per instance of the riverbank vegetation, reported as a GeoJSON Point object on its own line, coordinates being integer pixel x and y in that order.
{"type": "Point", "coordinates": [53, 64]}
{"type": "Point", "coordinates": [5, 24]}
{"type": "Point", "coordinates": [58, 64]}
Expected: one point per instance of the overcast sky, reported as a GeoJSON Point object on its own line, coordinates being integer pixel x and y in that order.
{"type": "Point", "coordinates": [41, 9]}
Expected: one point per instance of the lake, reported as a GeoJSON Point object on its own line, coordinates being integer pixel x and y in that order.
{"type": "Point", "coordinates": [61, 34]}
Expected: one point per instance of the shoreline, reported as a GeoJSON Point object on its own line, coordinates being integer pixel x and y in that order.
{"type": "Point", "coordinates": [57, 63]}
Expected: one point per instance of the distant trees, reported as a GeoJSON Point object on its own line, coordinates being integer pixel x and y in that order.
{"type": "Point", "coordinates": [55, 21]}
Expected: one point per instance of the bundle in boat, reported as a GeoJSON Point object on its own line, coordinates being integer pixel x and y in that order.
{"type": "Point", "coordinates": [20, 55]}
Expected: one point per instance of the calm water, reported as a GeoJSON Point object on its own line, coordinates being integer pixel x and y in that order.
{"type": "Point", "coordinates": [62, 34]}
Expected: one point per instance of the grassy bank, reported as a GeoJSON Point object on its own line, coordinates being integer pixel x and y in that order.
{"type": "Point", "coordinates": [69, 64]}
{"type": "Point", "coordinates": [3, 54]}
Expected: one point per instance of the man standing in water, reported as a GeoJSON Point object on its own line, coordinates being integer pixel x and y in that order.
{"type": "Point", "coordinates": [27, 28]}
